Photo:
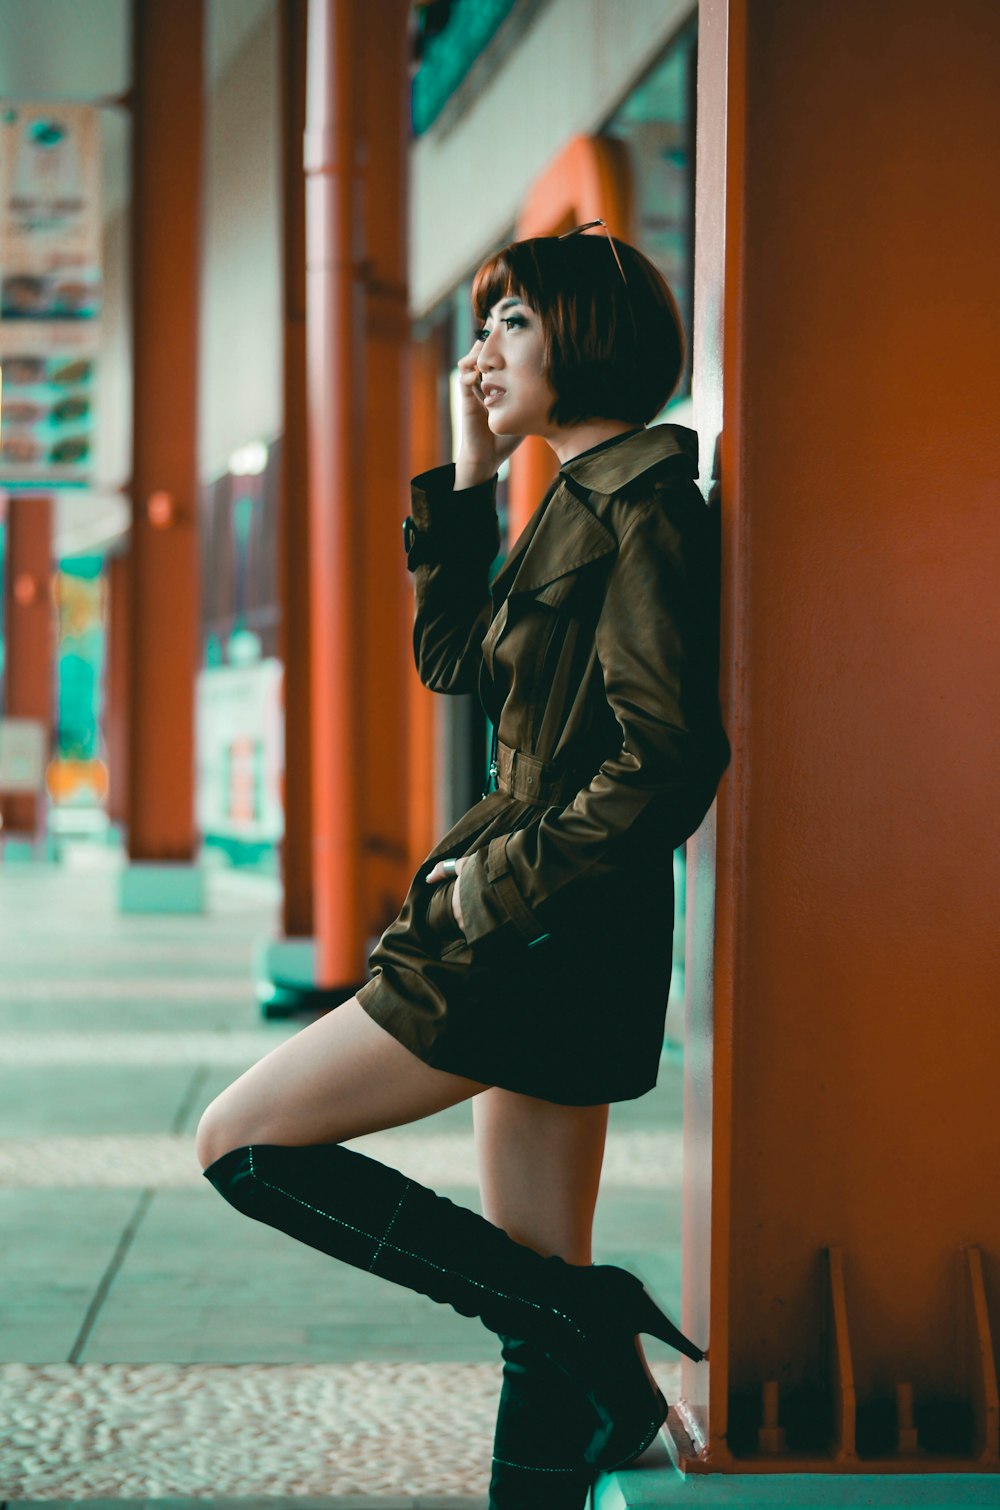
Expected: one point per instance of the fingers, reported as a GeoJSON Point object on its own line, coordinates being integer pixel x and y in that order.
{"type": "Point", "coordinates": [444, 872]}
{"type": "Point", "coordinates": [467, 364]}
{"type": "Point", "coordinates": [470, 376]}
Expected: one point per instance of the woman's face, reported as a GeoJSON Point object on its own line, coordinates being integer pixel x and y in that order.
{"type": "Point", "coordinates": [511, 358]}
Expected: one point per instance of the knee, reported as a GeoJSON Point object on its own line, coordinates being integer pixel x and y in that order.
{"type": "Point", "coordinates": [216, 1134]}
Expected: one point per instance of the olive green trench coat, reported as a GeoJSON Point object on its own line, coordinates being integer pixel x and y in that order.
{"type": "Point", "coordinates": [595, 653]}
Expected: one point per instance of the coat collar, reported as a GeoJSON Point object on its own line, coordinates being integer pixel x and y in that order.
{"type": "Point", "coordinates": [562, 534]}
{"type": "Point", "coordinates": [611, 469]}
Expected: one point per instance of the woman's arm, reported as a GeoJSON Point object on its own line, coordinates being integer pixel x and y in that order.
{"type": "Point", "coordinates": [452, 541]}
{"type": "Point", "coordinates": [657, 644]}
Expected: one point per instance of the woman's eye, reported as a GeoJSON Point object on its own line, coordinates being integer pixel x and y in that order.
{"type": "Point", "coordinates": [508, 320]}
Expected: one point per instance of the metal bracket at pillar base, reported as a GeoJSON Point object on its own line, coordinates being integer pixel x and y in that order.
{"type": "Point", "coordinates": [153, 886]}
{"type": "Point", "coordinates": [954, 1437]}
{"type": "Point", "coordinates": [286, 981]}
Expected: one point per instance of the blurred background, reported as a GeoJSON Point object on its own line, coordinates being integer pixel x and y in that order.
{"type": "Point", "coordinates": [617, 137]}
{"type": "Point", "coordinates": [237, 239]}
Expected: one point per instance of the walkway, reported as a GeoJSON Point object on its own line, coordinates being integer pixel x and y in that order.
{"type": "Point", "coordinates": [154, 1345]}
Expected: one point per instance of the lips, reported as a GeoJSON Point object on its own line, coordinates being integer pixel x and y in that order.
{"type": "Point", "coordinates": [492, 394]}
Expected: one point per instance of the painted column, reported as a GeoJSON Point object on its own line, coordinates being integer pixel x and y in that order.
{"type": "Point", "coordinates": [383, 635]}
{"type": "Point", "coordinates": [841, 1231]}
{"type": "Point", "coordinates": [333, 353]}
{"type": "Point", "coordinates": [288, 962]}
{"type": "Point", "coordinates": [357, 335]}
{"type": "Point", "coordinates": [166, 188]}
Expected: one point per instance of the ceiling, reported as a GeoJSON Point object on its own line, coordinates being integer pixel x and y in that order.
{"type": "Point", "coordinates": [79, 50]}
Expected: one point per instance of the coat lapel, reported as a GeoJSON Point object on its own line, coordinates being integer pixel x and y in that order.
{"type": "Point", "coordinates": [507, 572]}
{"type": "Point", "coordinates": [560, 537]}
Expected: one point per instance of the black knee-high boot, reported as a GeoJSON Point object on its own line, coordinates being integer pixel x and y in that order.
{"type": "Point", "coordinates": [544, 1427]}
{"type": "Point", "coordinates": [587, 1319]}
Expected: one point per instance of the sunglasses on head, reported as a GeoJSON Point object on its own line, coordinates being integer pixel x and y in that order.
{"type": "Point", "coordinates": [588, 225]}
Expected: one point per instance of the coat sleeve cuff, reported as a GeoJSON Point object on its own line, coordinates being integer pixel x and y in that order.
{"type": "Point", "coordinates": [490, 896]}
{"type": "Point", "coordinates": [434, 503]}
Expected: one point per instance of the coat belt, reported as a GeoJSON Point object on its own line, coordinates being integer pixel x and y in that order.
{"type": "Point", "coordinates": [532, 780]}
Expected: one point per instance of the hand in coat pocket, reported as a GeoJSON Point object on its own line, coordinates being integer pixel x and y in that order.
{"type": "Point", "coordinates": [445, 900]}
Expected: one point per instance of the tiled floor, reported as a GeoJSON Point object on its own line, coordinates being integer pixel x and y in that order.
{"type": "Point", "coordinates": [153, 1345]}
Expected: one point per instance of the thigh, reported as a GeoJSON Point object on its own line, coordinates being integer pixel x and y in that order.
{"type": "Point", "coordinates": [539, 1169]}
{"type": "Point", "coordinates": [339, 1078]}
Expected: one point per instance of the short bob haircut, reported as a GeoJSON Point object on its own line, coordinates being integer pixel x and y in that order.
{"type": "Point", "coordinates": [614, 348]}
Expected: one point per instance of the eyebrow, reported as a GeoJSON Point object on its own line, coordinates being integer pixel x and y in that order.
{"type": "Point", "coordinates": [506, 304]}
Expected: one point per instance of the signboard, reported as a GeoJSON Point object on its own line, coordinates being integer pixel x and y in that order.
{"type": "Point", "coordinates": [46, 406]}
{"type": "Point", "coordinates": [50, 291]}
{"type": "Point", "coordinates": [50, 212]}
{"type": "Point", "coordinates": [241, 752]}
{"type": "Point", "coordinates": [22, 756]}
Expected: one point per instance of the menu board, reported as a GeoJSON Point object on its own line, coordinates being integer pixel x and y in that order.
{"type": "Point", "coordinates": [50, 291]}
{"type": "Point", "coordinates": [47, 413]}
{"type": "Point", "coordinates": [50, 212]}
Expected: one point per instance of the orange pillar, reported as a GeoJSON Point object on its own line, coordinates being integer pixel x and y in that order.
{"type": "Point", "coordinates": [333, 356]}
{"type": "Point", "coordinates": [28, 639]}
{"type": "Point", "coordinates": [385, 639]}
{"type": "Point", "coordinates": [357, 330]}
{"type": "Point", "coordinates": [166, 188]}
{"type": "Point", "coordinates": [841, 1133]}
{"type": "Point", "coordinates": [293, 535]}
{"type": "Point", "coordinates": [286, 966]}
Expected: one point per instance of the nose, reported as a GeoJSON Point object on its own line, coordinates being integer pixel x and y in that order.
{"type": "Point", "coordinates": [491, 350]}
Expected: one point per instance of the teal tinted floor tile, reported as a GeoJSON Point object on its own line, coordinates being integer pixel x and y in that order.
{"type": "Point", "coordinates": [200, 1283]}
{"type": "Point", "coordinates": [57, 1246]}
{"type": "Point", "coordinates": [64, 1099]}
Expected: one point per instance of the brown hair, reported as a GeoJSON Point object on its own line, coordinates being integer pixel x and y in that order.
{"type": "Point", "coordinates": [614, 348]}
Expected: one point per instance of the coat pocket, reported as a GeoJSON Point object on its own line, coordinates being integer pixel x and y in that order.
{"type": "Point", "coordinates": [441, 919]}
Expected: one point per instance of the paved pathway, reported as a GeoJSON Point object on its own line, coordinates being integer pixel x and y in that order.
{"type": "Point", "coordinates": [155, 1346]}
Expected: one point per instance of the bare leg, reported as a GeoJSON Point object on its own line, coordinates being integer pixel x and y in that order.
{"type": "Point", "coordinates": [341, 1077]}
{"type": "Point", "coordinates": [539, 1169]}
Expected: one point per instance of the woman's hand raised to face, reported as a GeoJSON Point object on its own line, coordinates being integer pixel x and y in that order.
{"type": "Point", "coordinates": [480, 452]}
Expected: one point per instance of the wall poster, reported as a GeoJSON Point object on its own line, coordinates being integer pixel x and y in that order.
{"type": "Point", "coordinates": [50, 290]}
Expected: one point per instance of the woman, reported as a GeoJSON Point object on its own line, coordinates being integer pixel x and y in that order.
{"type": "Point", "coordinates": [530, 964]}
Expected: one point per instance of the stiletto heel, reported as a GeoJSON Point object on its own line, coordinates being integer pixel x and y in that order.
{"type": "Point", "coordinates": [651, 1320]}
{"type": "Point", "coordinates": [624, 1392]}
